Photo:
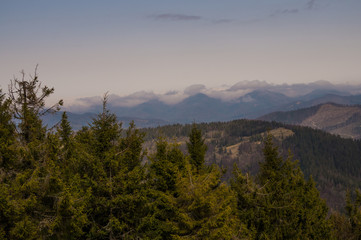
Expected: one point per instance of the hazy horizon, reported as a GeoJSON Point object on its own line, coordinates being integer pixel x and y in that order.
{"type": "Point", "coordinates": [87, 48]}
{"type": "Point", "coordinates": [226, 93]}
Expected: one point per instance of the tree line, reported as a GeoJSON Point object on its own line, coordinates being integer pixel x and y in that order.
{"type": "Point", "coordinates": [100, 183]}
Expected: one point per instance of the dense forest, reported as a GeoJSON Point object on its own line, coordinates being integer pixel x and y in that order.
{"type": "Point", "coordinates": [101, 183]}
{"type": "Point", "coordinates": [332, 161]}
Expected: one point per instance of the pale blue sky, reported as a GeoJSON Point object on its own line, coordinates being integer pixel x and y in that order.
{"type": "Point", "coordinates": [87, 47]}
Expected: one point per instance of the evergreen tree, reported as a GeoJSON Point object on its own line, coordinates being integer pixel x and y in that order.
{"type": "Point", "coordinates": [247, 201]}
{"type": "Point", "coordinates": [33, 196]}
{"type": "Point", "coordinates": [281, 204]}
{"type": "Point", "coordinates": [114, 175]}
{"type": "Point", "coordinates": [106, 130]}
{"type": "Point", "coordinates": [186, 203]}
{"type": "Point", "coordinates": [6, 213]}
{"type": "Point", "coordinates": [98, 169]}
{"type": "Point", "coordinates": [70, 215]}
{"type": "Point", "coordinates": [65, 130]}
{"type": "Point", "coordinates": [129, 187]}
{"type": "Point", "coordinates": [7, 135]}
{"type": "Point", "coordinates": [33, 188]}
{"type": "Point", "coordinates": [341, 227]}
{"type": "Point", "coordinates": [205, 207]}
{"type": "Point", "coordinates": [291, 207]}
{"type": "Point", "coordinates": [28, 104]}
{"type": "Point", "coordinates": [196, 148]}
{"type": "Point", "coordinates": [131, 147]}
{"type": "Point", "coordinates": [353, 210]}
{"type": "Point", "coordinates": [67, 148]}
{"type": "Point", "coordinates": [166, 165]}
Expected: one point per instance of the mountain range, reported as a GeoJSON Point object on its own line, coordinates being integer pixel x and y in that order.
{"type": "Point", "coordinates": [199, 106]}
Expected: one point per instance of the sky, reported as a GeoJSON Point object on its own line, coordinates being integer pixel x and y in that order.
{"type": "Point", "coordinates": [85, 48]}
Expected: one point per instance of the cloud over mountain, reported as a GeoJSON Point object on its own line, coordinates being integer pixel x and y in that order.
{"type": "Point", "coordinates": [224, 93]}
{"type": "Point", "coordinates": [194, 89]}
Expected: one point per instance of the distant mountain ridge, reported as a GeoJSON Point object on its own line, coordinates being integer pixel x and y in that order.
{"type": "Point", "coordinates": [342, 120]}
{"type": "Point", "coordinates": [200, 107]}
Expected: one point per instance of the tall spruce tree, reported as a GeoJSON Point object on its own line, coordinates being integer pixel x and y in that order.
{"type": "Point", "coordinates": [36, 180]}
{"type": "Point", "coordinates": [281, 205]}
{"type": "Point", "coordinates": [67, 145]}
{"type": "Point", "coordinates": [115, 177]}
{"type": "Point", "coordinates": [165, 165]}
{"type": "Point", "coordinates": [353, 210]}
{"type": "Point", "coordinates": [246, 191]}
{"type": "Point", "coordinates": [28, 105]}
{"type": "Point", "coordinates": [291, 207]}
{"type": "Point", "coordinates": [106, 130]}
{"type": "Point", "coordinates": [196, 147]}
{"type": "Point", "coordinates": [205, 206]}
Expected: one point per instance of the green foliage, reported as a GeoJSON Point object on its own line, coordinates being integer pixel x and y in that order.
{"type": "Point", "coordinates": [280, 204]}
{"type": "Point", "coordinates": [166, 165]}
{"type": "Point", "coordinates": [131, 147]}
{"type": "Point", "coordinates": [64, 129]}
{"type": "Point", "coordinates": [106, 131]}
{"type": "Point", "coordinates": [196, 148]}
{"type": "Point", "coordinates": [7, 134]}
{"type": "Point", "coordinates": [348, 226]}
{"type": "Point", "coordinates": [353, 209]}
{"type": "Point", "coordinates": [205, 206]}
{"type": "Point", "coordinates": [28, 105]}
{"type": "Point", "coordinates": [246, 192]}
{"type": "Point", "coordinates": [341, 227]}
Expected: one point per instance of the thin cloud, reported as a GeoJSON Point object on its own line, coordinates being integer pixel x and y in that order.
{"type": "Point", "coordinates": [170, 17]}
{"type": "Point", "coordinates": [132, 99]}
{"type": "Point", "coordinates": [285, 12]}
{"type": "Point", "coordinates": [222, 21]}
{"type": "Point", "coordinates": [254, 84]}
{"type": "Point", "coordinates": [290, 11]}
{"type": "Point", "coordinates": [175, 17]}
{"type": "Point", "coordinates": [310, 5]}
{"type": "Point", "coordinates": [194, 89]}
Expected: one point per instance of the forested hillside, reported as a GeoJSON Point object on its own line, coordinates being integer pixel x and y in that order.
{"type": "Point", "coordinates": [332, 161]}
{"type": "Point", "coordinates": [102, 183]}
{"type": "Point", "coordinates": [337, 119]}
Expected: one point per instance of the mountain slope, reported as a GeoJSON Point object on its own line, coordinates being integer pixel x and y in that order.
{"type": "Point", "coordinates": [309, 101]}
{"type": "Point", "coordinates": [336, 119]}
{"type": "Point", "coordinates": [259, 102]}
{"type": "Point", "coordinates": [201, 108]}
